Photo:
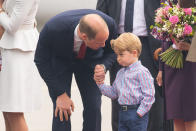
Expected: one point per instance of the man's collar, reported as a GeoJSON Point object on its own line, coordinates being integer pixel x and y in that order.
{"type": "Point", "coordinates": [76, 36]}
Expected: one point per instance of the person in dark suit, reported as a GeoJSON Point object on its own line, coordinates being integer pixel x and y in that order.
{"type": "Point", "coordinates": [74, 42]}
{"type": "Point", "coordinates": [137, 19]}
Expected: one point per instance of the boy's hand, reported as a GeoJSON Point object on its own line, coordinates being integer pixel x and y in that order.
{"type": "Point", "coordinates": [99, 74]}
{"type": "Point", "coordinates": [139, 115]}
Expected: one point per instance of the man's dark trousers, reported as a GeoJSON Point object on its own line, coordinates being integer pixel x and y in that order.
{"type": "Point", "coordinates": [91, 98]}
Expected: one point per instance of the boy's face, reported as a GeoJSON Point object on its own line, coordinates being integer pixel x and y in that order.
{"type": "Point", "coordinates": [126, 58]}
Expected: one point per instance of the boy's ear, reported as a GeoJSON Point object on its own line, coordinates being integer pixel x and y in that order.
{"type": "Point", "coordinates": [134, 52]}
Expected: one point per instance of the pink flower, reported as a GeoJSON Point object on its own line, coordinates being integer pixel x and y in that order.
{"type": "Point", "coordinates": [167, 8]}
{"type": "Point", "coordinates": [187, 29]}
{"type": "Point", "coordinates": [159, 12]}
{"type": "Point", "coordinates": [158, 19]}
{"type": "Point", "coordinates": [174, 19]}
{"type": "Point", "coordinates": [188, 11]}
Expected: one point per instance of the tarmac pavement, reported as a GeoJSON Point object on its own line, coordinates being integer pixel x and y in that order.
{"type": "Point", "coordinates": [41, 120]}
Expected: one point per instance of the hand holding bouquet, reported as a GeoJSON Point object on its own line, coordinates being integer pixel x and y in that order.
{"type": "Point", "coordinates": [175, 24]}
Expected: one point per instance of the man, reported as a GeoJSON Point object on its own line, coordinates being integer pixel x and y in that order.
{"type": "Point", "coordinates": [137, 18]}
{"type": "Point", "coordinates": [74, 42]}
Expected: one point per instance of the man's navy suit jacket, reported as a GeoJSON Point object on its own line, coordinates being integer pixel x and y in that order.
{"type": "Point", "coordinates": [54, 54]}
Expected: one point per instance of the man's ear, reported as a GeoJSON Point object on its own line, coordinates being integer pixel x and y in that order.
{"type": "Point", "coordinates": [83, 36]}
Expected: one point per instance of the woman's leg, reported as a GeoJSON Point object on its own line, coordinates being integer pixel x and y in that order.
{"type": "Point", "coordinates": [15, 121]}
{"type": "Point", "coordinates": [179, 125]}
{"type": "Point", "coordinates": [7, 127]}
{"type": "Point", "coordinates": [190, 126]}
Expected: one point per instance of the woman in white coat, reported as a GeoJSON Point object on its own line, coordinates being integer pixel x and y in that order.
{"type": "Point", "coordinates": [19, 79]}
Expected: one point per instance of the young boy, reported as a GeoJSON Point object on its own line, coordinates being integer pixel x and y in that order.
{"type": "Point", "coordinates": [133, 86]}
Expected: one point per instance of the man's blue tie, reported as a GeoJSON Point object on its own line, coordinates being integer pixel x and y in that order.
{"type": "Point", "coordinates": [129, 16]}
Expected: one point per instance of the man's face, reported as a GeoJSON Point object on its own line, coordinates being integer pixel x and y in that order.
{"type": "Point", "coordinates": [98, 42]}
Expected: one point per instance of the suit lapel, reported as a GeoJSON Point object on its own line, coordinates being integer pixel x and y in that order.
{"type": "Point", "coordinates": [118, 10]}
{"type": "Point", "coordinates": [145, 9]}
{"type": "Point", "coordinates": [145, 2]}
{"type": "Point", "coordinates": [93, 54]}
{"type": "Point", "coordinates": [119, 3]}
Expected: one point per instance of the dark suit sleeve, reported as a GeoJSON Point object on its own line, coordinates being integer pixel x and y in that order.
{"type": "Point", "coordinates": [102, 6]}
{"type": "Point", "coordinates": [43, 60]}
{"type": "Point", "coordinates": [109, 55]}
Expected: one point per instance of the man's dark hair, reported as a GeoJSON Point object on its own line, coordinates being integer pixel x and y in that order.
{"type": "Point", "coordinates": [84, 27]}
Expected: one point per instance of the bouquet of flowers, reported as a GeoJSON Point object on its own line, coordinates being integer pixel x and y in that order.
{"type": "Point", "coordinates": [175, 24]}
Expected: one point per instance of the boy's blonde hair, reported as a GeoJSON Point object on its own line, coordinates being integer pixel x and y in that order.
{"type": "Point", "coordinates": [127, 42]}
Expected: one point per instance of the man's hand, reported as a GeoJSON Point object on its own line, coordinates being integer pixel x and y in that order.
{"type": "Point", "coordinates": [64, 106]}
{"type": "Point", "coordinates": [99, 74]}
{"type": "Point", "coordinates": [159, 78]}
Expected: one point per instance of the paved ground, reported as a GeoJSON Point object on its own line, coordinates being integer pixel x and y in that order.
{"type": "Point", "coordinates": [41, 120]}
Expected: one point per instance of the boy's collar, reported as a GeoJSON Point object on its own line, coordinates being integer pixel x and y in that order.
{"type": "Point", "coordinates": [133, 65]}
